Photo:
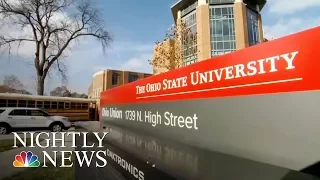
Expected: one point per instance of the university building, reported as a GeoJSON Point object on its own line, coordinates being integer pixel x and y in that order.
{"type": "Point", "coordinates": [221, 26]}
{"type": "Point", "coordinates": [110, 78]}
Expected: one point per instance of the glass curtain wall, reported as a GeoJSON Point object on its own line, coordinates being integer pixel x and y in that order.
{"type": "Point", "coordinates": [189, 40]}
{"type": "Point", "coordinates": [253, 28]}
{"type": "Point", "coordinates": [222, 30]}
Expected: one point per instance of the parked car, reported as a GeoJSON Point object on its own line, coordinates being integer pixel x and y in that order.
{"type": "Point", "coordinates": [15, 119]}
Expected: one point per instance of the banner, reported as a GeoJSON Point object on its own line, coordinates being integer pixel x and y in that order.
{"type": "Point", "coordinates": [260, 103]}
{"type": "Point", "coordinates": [282, 65]}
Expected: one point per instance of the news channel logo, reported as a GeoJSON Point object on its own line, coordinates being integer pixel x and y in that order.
{"type": "Point", "coordinates": [26, 159]}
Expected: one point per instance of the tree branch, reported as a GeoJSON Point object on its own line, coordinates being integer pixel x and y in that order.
{"type": "Point", "coordinates": [53, 35]}
{"type": "Point", "coordinates": [169, 53]}
{"type": "Point", "coordinates": [4, 41]}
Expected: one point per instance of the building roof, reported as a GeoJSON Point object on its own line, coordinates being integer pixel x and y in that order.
{"type": "Point", "coordinates": [102, 71]}
{"type": "Point", "coordinates": [5, 89]}
{"type": "Point", "coordinates": [98, 73]}
{"type": "Point", "coordinates": [181, 4]}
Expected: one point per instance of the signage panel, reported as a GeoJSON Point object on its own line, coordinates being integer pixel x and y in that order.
{"type": "Point", "coordinates": [259, 103]}
{"type": "Point", "coordinates": [283, 65]}
{"type": "Point", "coordinates": [121, 165]}
{"type": "Point", "coordinates": [180, 161]}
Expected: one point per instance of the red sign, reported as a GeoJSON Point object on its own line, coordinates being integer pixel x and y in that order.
{"type": "Point", "coordinates": [287, 64]}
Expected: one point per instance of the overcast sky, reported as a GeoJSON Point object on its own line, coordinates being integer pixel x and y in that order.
{"type": "Point", "coordinates": [135, 27]}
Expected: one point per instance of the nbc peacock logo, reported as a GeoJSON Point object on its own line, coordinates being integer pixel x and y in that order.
{"type": "Point", "coordinates": [26, 159]}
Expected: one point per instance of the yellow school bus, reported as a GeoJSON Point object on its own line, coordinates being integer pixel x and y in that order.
{"type": "Point", "coordinates": [76, 109]}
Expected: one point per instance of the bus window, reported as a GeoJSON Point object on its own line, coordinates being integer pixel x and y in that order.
{"type": "Point", "coordinates": [46, 104]}
{"type": "Point", "coordinates": [31, 104]}
{"type": "Point", "coordinates": [73, 105]}
{"type": "Point", "coordinates": [78, 105]}
{"type": "Point", "coordinates": [67, 105]}
{"type": "Point", "coordinates": [40, 104]}
{"type": "Point", "coordinates": [12, 103]}
{"type": "Point", "coordinates": [3, 103]}
{"type": "Point", "coordinates": [84, 105]}
{"type": "Point", "coordinates": [22, 103]}
{"type": "Point", "coordinates": [60, 105]}
{"type": "Point", "coordinates": [54, 105]}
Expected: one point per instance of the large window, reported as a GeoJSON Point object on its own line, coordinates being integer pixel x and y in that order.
{"type": "Point", "coordinates": [189, 39]}
{"type": "Point", "coordinates": [253, 28]}
{"type": "Point", "coordinates": [222, 31]}
{"type": "Point", "coordinates": [115, 78]}
{"type": "Point", "coordinates": [133, 77]}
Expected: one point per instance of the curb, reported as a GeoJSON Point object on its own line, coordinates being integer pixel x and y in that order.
{"type": "Point", "coordinates": [85, 127]}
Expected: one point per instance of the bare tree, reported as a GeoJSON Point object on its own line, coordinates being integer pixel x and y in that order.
{"type": "Point", "coordinates": [76, 95]}
{"type": "Point", "coordinates": [62, 91]}
{"type": "Point", "coordinates": [13, 83]}
{"type": "Point", "coordinates": [170, 52]}
{"type": "Point", "coordinates": [50, 35]}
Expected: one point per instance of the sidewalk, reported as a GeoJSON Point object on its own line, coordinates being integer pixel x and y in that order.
{"type": "Point", "coordinates": [7, 157]}
{"type": "Point", "coordinates": [90, 125]}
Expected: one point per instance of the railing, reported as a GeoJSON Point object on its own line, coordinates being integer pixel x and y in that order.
{"type": "Point", "coordinates": [219, 1]}
{"type": "Point", "coordinates": [189, 9]}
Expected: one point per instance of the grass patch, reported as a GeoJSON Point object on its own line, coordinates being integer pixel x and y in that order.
{"type": "Point", "coordinates": [6, 144]}
{"type": "Point", "coordinates": [48, 173]}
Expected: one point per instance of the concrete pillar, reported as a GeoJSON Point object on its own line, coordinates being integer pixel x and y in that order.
{"type": "Point", "coordinates": [203, 31]}
{"type": "Point", "coordinates": [260, 28]}
{"type": "Point", "coordinates": [125, 76]}
{"type": "Point", "coordinates": [176, 45]}
{"type": "Point", "coordinates": [179, 15]}
{"type": "Point", "coordinates": [241, 26]}
{"type": "Point", "coordinates": [261, 37]}
{"type": "Point", "coordinates": [202, 2]}
{"type": "Point", "coordinates": [104, 86]}
{"type": "Point", "coordinates": [109, 79]}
